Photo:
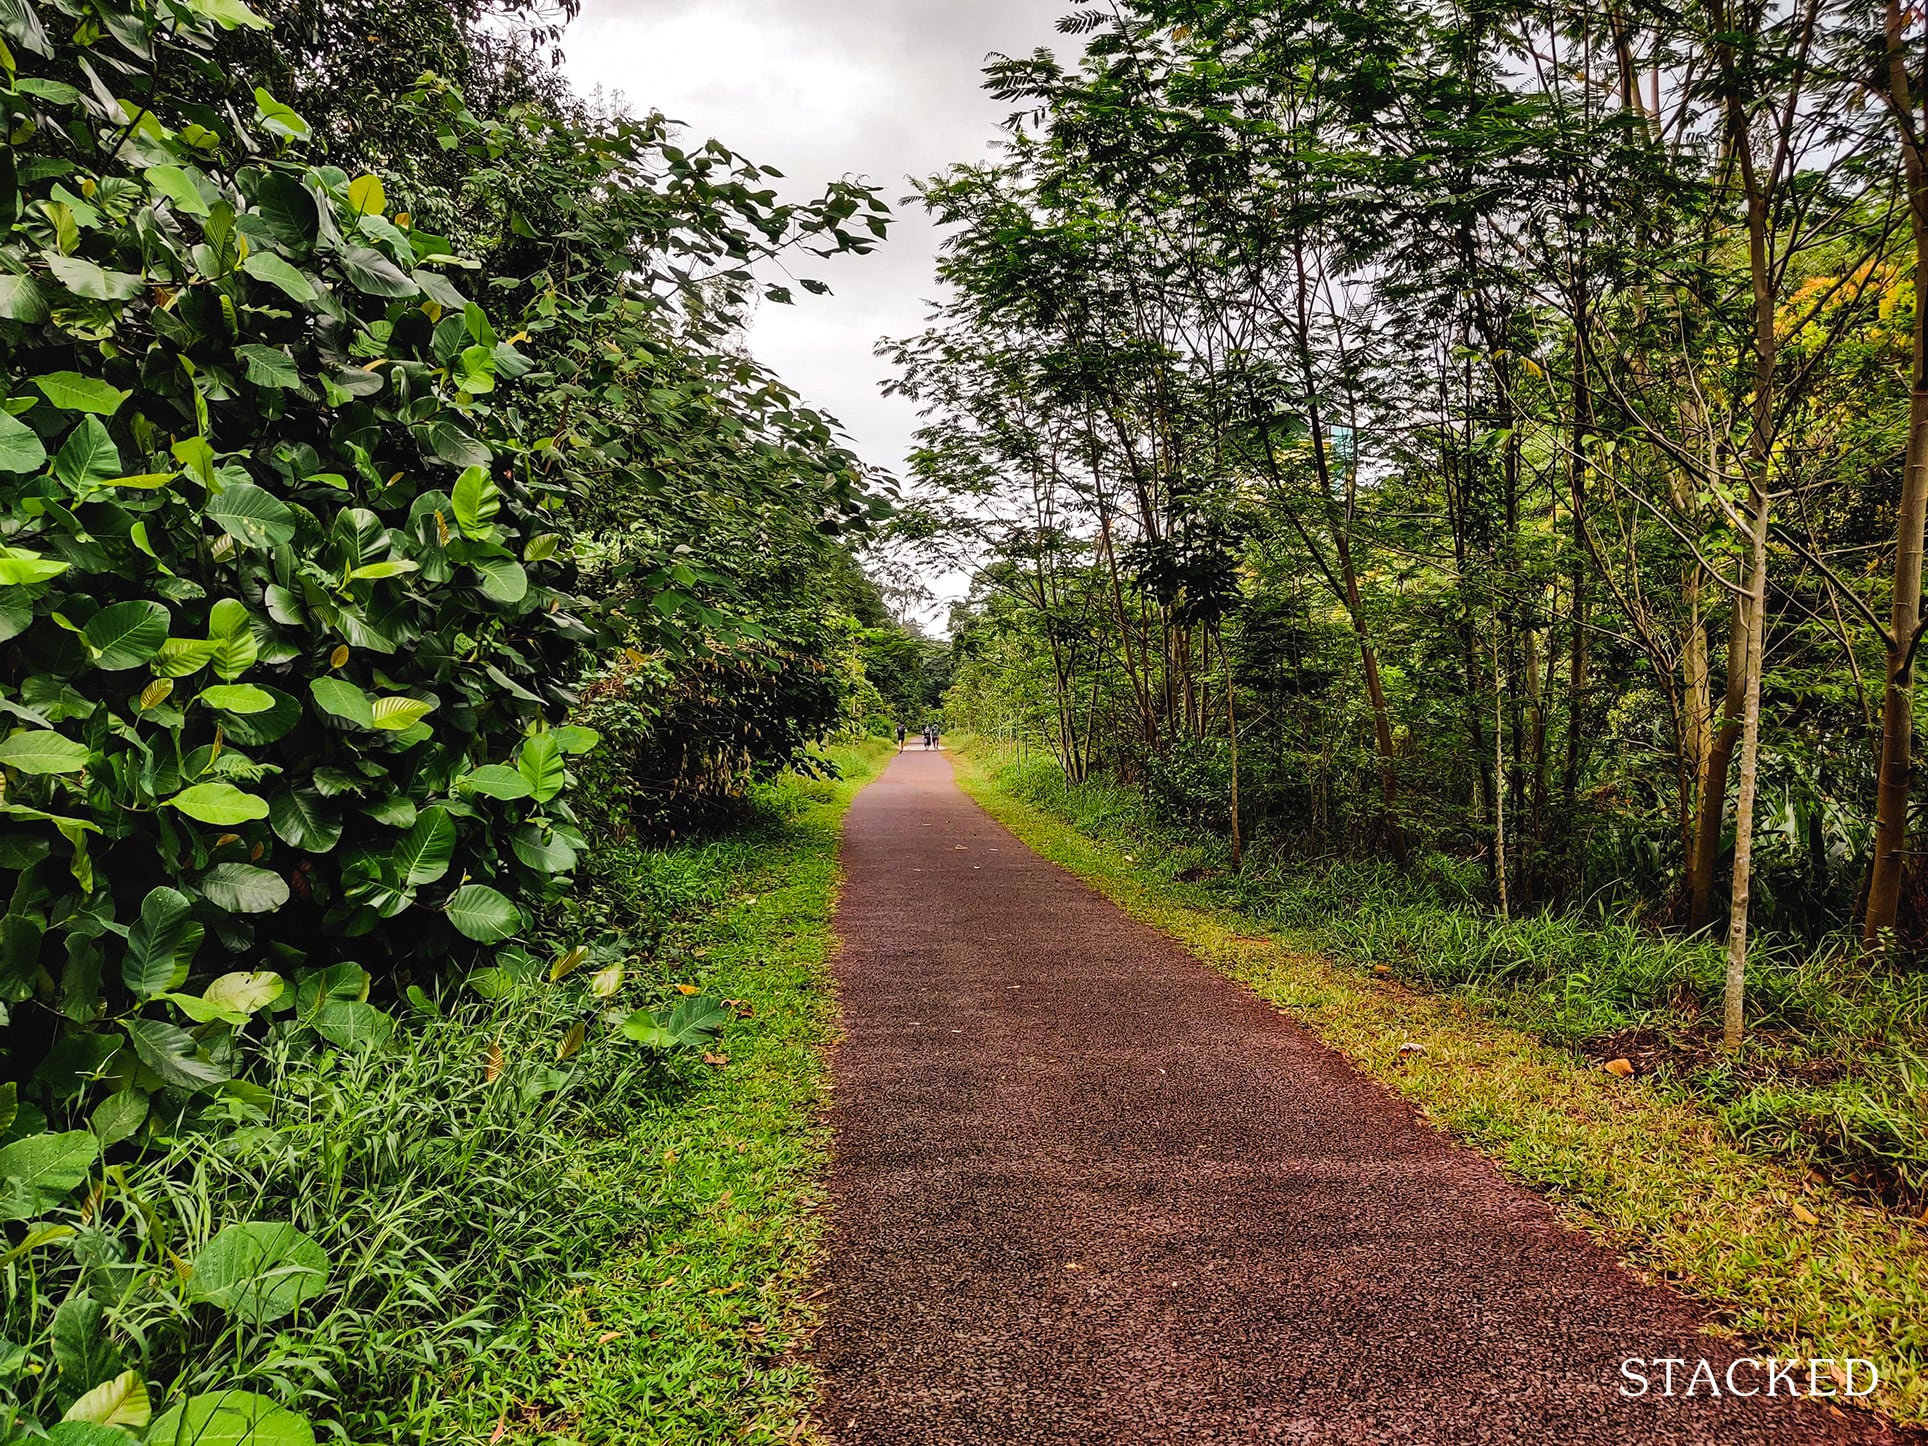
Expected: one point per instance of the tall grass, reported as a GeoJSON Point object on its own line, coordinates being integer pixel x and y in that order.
{"type": "Point", "coordinates": [1832, 1076]}
{"type": "Point", "coordinates": [458, 1180]}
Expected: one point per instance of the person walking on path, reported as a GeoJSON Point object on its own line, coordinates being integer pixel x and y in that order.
{"type": "Point", "coordinates": [900, 737]}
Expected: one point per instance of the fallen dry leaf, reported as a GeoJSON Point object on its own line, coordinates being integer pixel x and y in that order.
{"type": "Point", "coordinates": [607, 1336]}
{"type": "Point", "coordinates": [1073, 1265]}
{"type": "Point", "coordinates": [717, 1059]}
{"type": "Point", "coordinates": [1382, 969]}
{"type": "Point", "coordinates": [1619, 1068]}
{"type": "Point", "coordinates": [1801, 1213]}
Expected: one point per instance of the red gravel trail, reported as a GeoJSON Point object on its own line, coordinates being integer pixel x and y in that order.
{"type": "Point", "coordinates": [1088, 1191]}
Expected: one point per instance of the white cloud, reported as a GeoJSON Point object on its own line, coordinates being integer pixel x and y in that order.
{"type": "Point", "coordinates": [823, 89]}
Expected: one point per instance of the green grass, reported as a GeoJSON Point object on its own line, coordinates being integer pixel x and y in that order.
{"type": "Point", "coordinates": [531, 1226]}
{"type": "Point", "coordinates": [1641, 1164]}
{"type": "Point", "coordinates": [682, 1332]}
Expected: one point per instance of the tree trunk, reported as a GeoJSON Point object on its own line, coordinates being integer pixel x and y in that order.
{"type": "Point", "coordinates": [1734, 993]}
{"type": "Point", "coordinates": [1712, 807]}
{"type": "Point", "coordinates": [1231, 731]}
{"type": "Point", "coordinates": [1893, 785]}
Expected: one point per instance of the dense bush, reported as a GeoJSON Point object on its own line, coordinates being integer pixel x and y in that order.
{"type": "Point", "coordinates": [304, 508]}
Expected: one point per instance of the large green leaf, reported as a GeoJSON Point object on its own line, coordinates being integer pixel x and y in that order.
{"type": "Point", "coordinates": [495, 780]}
{"type": "Point", "coordinates": [72, 392]}
{"type": "Point", "coordinates": [268, 267]}
{"type": "Point", "coordinates": [119, 1402]}
{"type": "Point", "coordinates": [20, 447]}
{"type": "Point", "coordinates": [351, 1024]}
{"type": "Point", "coordinates": [258, 1271]}
{"type": "Point", "coordinates": [268, 726]}
{"type": "Point", "coordinates": [301, 817]}
{"type": "Point", "coordinates": [252, 516]}
{"type": "Point", "coordinates": [43, 1170]}
{"type": "Point", "coordinates": [21, 568]}
{"type": "Point", "coordinates": [342, 699]}
{"type": "Point", "coordinates": [82, 1349]}
{"type": "Point", "coordinates": [269, 366]}
{"type": "Point", "coordinates": [455, 446]}
{"type": "Point", "coordinates": [236, 698]}
{"type": "Point", "coordinates": [245, 992]}
{"type": "Point", "coordinates": [87, 457]}
{"type": "Point", "coordinates": [369, 271]}
{"type": "Point", "coordinates": [542, 851]}
{"type": "Point", "coordinates": [244, 889]}
{"type": "Point", "coordinates": [278, 118]}
{"type": "Point", "coordinates": [540, 762]}
{"type": "Point", "coordinates": [40, 750]}
{"type": "Point", "coordinates": [574, 739]}
{"type": "Point", "coordinates": [177, 187]}
{"type": "Point", "coordinates": [173, 1055]}
{"type": "Point", "coordinates": [694, 1023]}
{"type": "Point", "coordinates": [94, 283]}
{"type": "Point", "coordinates": [126, 634]}
{"type": "Point", "coordinates": [424, 853]}
{"type": "Point", "coordinates": [483, 914]}
{"type": "Point", "coordinates": [21, 299]}
{"type": "Point", "coordinates": [476, 501]}
{"type": "Point", "coordinates": [231, 631]}
{"type": "Point", "coordinates": [503, 579]}
{"type": "Point", "coordinates": [218, 803]}
{"type": "Point", "coordinates": [162, 943]}
{"type": "Point", "coordinates": [392, 715]}
{"type": "Point", "coordinates": [230, 1418]}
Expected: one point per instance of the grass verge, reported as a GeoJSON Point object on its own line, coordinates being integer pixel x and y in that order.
{"type": "Point", "coordinates": [1792, 1264]}
{"type": "Point", "coordinates": [681, 1332]}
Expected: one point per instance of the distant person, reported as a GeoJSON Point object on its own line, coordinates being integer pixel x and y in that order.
{"type": "Point", "coordinates": [927, 735]}
{"type": "Point", "coordinates": [900, 737]}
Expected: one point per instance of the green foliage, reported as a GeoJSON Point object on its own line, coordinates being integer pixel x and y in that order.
{"type": "Point", "coordinates": [312, 512]}
{"type": "Point", "coordinates": [1832, 1078]}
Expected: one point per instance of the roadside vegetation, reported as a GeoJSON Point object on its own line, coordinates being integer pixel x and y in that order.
{"type": "Point", "coordinates": [1794, 1262]}
{"type": "Point", "coordinates": [406, 583]}
{"type": "Point", "coordinates": [1457, 481]}
{"type": "Point", "coordinates": [1833, 1078]}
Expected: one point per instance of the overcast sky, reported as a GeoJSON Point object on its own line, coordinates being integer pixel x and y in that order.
{"type": "Point", "coordinates": [875, 89]}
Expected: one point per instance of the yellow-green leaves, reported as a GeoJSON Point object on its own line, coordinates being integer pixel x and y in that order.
{"type": "Point", "coordinates": [540, 764]}
{"type": "Point", "coordinates": [20, 567]}
{"type": "Point", "coordinates": [41, 751]}
{"type": "Point", "coordinates": [120, 1402]}
{"type": "Point", "coordinates": [483, 914]}
{"type": "Point", "coordinates": [177, 187]}
{"type": "Point", "coordinates": [219, 803]}
{"type": "Point", "coordinates": [278, 119]}
{"type": "Point", "coordinates": [476, 501]}
{"type": "Point", "coordinates": [366, 197]}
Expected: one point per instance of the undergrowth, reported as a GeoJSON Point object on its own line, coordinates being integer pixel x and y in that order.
{"type": "Point", "coordinates": [1795, 1265]}
{"type": "Point", "coordinates": [512, 1234]}
{"type": "Point", "coordinates": [1832, 1075]}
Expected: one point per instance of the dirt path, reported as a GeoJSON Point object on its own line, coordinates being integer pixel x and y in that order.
{"type": "Point", "coordinates": [1088, 1191]}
